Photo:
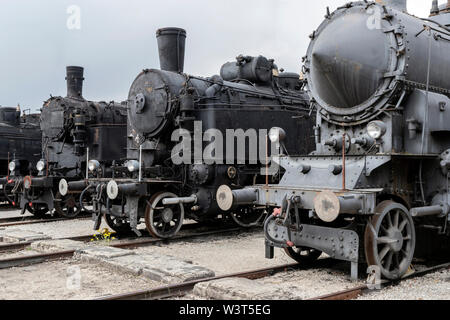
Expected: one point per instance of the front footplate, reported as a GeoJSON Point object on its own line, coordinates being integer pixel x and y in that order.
{"type": "Point", "coordinates": [340, 244]}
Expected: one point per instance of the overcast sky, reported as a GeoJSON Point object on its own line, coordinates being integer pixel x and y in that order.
{"type": "Point", "coordinates": [116, 40]}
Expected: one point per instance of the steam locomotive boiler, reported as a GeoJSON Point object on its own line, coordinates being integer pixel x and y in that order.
{"type": "Point", "coordinates": [20, 149]}
{"type": "Point", "coordinates": [379, 178]}
{"type": "Point", "coordinates": [175, 115]}
{"type": "Point", "coordinates": [72, 130]}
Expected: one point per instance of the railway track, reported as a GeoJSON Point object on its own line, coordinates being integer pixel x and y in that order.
{"type": "Point", "coordinates": [39, 258]}
{"type": "Point", "coordinates": [181, 289]}
{"type": "Point", "coordinates": [361, 290]}
{"type": "Point", "coordinates": [18, 221]}
{"type": "Point", "coordinates": [7, 247]}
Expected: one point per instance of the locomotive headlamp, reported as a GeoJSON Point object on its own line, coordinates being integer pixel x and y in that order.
{"type": "Point", "coordinates": [277, 134]}
{"type": "Point", "coordinates": [40, 166]}
{"type": "Point", "coordinates": [93, 165]}
{"type": "Point", "coordinates": [376, 129]}
{"type": "Point", "coordinates": [12, 166]}
{"type": "Point", "coordinates": [133, 165]}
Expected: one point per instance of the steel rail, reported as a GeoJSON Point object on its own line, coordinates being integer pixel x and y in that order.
{"type": "Point", "coordinates": [14, 246]}
{"type": "Point", "coordinates": [39, 258]}
{"type": "Point", "coordinates": [181, 289]}
{"type": "Point", "coordinates": [18, 221]}
{"type": "Point", "coordinates": [24, 244]}
{"type": "Point", "coordinates": [361, 290]}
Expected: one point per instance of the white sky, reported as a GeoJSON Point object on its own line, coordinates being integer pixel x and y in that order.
{"type": "Point", "coordinates": [117, 40]}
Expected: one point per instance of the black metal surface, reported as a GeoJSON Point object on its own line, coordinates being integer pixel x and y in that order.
{"type": "Point", "coordinates": [250, 95]}
{"type": "Point", "coordinates": [171, 45]}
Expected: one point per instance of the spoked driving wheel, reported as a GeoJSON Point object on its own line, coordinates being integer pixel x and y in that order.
{"type": "Point", "coordinates": [390, 240]}
{"type": "Point", "coordinates": [37, 210]}
{"type": "Point", "coordinates": [67, 206]}
{"type": "Point", "coordinates": [303, 255]}
{"type": "Point", "coordinates": [163, 221]}
{"type": "Point", "coordinates": [248, 217]}
{"type": "Point", "coordinates": [119, 225]}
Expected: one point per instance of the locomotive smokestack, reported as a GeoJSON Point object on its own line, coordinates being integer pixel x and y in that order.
{"type": "Point", "coordinates": [74, 78]}
{"type": "Point", "coordinates": [396, 4]}
{"type": "Point", "coordinates": [435, 8]}
{"type": "Point", "coordinates": [171, 45]}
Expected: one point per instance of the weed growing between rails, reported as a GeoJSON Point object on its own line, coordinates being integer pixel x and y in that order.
{"type": "Point", "coordinates": [103, 235]}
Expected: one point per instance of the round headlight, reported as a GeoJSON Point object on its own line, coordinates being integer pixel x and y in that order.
{"type": "Point", "coordinates": [12, 166]}
{"type": "Point", "coordinates": [40, 165]}
{"type": "Point", "coordinates": [93, 165]}
{"type": "Point", "coordinates": [277, 135]}
{"type": "Point", "coordinates": [376, 129]}
{"type": "Point", "coordinates": [133, 165]}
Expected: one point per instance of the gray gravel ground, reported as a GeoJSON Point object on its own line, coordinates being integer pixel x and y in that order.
{"type": "Point", "coordinates": [57, 280]}
{"type": "Point", "coordinates": [434, 286]}
{"type": "Point", "coordinates": [62, 229]}
{"type": "Point", "coordinates": [8, 213]}
{"type": "Point", "coordinates": [223, 254]}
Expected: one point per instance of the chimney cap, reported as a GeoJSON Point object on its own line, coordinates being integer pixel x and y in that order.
{"type": "Point", "coordinates": [171, 30]}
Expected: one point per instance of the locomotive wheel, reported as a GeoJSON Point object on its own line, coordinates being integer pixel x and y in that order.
{"type": "Point", "coordinates": [303, 255]}
{"type": "Point", "coordinates": [37, 210]}
{"type": "Point", "coordinates": [163, 222]}
{"type": "Point", "coordinates": [119, 225]}
{"type": "Point", "coordinates": [390, 240]}
{"type": "Point", "coordinates": [66, 206]}
{"type": "Point", "coordinates": [248, 217]}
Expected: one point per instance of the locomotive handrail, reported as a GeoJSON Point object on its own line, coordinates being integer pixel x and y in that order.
{"type": "Point", "coordinates": [435, 22]}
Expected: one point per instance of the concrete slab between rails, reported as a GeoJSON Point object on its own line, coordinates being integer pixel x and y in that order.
{"type": "Point", "coordinates": [19, 235]}
{"type": "Point", "coordinates": [58, 245]}
{"type": "Point", "coordinates": [103, 252]}
{"type": "Point", "coordinates": [243, 289]}
{"type": "Point", "coordinates": [161, 268]}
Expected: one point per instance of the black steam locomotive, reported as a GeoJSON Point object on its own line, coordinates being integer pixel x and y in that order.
{"type": "Point", "coordinates": [73, 129]}
{"type": "Point", "coordinates": [376, 189]}
{"type": "Point", "coordinates": [178, 124]}
{"type": "Point", "coordinates": [20, 149]}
